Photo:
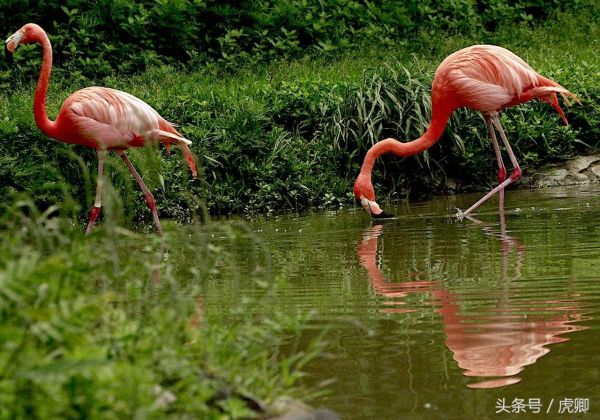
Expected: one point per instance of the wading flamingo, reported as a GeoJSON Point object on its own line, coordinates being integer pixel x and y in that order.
{"type": "Point", "coordinates": [485, 78]}
{"type": "Point", "coordinates": [101, 118]}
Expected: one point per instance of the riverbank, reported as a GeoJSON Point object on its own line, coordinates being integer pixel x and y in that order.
{"type": "Point", "coordinates": [580, 170]}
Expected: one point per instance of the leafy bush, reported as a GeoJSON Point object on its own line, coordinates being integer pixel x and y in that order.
{"type": "Point", "coordinates": [274, 137]}
{"type": "Point", "coordinates": [93, 39]}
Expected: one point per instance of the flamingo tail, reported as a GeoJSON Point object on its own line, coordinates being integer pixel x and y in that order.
{"type": "Point", "coordinates": [181, 142]}
{"type": "Point", "coordinates": [188, 157]}
{"type": "Point", "coordinates": [548, 94]}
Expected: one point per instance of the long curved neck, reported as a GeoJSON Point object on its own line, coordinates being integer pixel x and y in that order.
{"type": "Point", "coordinates": [439, 119]}
{"type": "Point", "coordinates": [39, 102]}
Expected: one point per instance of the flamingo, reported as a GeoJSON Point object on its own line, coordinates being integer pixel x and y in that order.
{"type": "Point", "coordinates": [486, 78]}
{"type": "Point", "coordinates": [101, 118]}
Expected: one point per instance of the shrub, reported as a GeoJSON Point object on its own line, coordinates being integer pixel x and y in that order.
{"type": "Point", "coordinates": [293, 135]}
{"type": "Point", "coordinates": [94, 39]}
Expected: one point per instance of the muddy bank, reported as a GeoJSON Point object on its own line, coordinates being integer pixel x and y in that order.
{"type": "Point", "coordinates": [579, 170]}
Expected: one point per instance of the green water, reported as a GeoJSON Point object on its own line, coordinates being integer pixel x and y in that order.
{"type": "Point", "coordinates": [431, 317]}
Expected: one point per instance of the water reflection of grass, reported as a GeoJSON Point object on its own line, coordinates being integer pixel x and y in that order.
{"type": "Point", "coordinates": [114, 325]}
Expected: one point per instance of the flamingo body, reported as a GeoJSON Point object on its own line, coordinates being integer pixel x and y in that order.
{"type": "Point", "coordinates": [485, 78]}
{"type": "Point", "coordinates": [100, 118]}
{"type": "Point", "coordinates": [110, 119]}
{"type": "Point", "coordinates": [488, 78]}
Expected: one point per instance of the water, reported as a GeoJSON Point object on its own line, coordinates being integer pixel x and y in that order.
{"type": "Point", "coordinates": [431, 317]}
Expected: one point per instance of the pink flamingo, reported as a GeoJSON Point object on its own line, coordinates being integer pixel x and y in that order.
{"type": "Point", "coordinates": [101, 118]}
{"type": "Point", "coordinates": [485, 78]}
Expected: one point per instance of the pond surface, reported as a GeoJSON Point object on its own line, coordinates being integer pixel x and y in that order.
{"type": "Point", "coordinates": [431, 317]}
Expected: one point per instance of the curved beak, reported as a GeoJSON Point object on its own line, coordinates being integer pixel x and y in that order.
{"type": "Point", "coordinates": [11, 44]}
{"type": "Point", "coordinates": [8, 53]}
{"type": "Point", "coordinates": [374, 210]}
{"type": "Point", "coordinates": [383, 215]}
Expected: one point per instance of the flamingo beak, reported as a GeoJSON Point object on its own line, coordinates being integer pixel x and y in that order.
{"type": "Point", "coordinates": [374, 210]}
{"type": "Point", "coordinates": [11, 44]}
{"type": "Point", "coordinates": [8, 53]}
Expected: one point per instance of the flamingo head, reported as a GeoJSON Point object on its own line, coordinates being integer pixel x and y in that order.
{"type": "Point", "coordinates": [27, 34]}
{"type": "Point", "coordinates": [365, 194]}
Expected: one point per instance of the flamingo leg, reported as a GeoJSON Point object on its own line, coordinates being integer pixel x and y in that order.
{"type": "Point", "coordinates": [98, 201]}
{"type": "Point", "coordinates": [147, 194]}
{"type": "Point", "coordinates": [501, 167]}
{"type": "Point", "coordinates": [483, 199]}
{"type": "Point", "coordinates": [516, 168]}
{"type": "Point", "coordinates": [516, 171]}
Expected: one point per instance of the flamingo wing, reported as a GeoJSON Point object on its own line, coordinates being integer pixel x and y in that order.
{"type": "Point", "coordinates": [106, 119]}
{"type": "Point", "coordinates": [99, 135]}
{"type": "Point", "coordinates": [487, 77]}
{"type": "Point", "coordinates": [478, 94]}
{"type": "Point", "coordinates": [111, 118]}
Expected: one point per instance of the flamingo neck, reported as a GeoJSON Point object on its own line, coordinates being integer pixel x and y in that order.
{"type": "Point", "coordinates": [436, 128]}
{"type": "Point", "coordinates": [39, 102]}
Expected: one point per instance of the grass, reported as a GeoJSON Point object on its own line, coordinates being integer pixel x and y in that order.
{"type": "Point", "coordinates": [114, 325]}
{"type": "Point", "coordinates": [292, 135]}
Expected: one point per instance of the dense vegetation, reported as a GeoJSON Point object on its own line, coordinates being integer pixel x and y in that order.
{"type": "Point", "coordinates": [277, 134]}
{"type": "Point", "coordinates": [281, 99]}
{"type": "Point", "coordinates": [115, 326]}
{"type": "Point", "coordinates": [101, 36]}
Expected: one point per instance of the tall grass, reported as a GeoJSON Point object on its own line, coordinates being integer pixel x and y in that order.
{"type": "Point", "coordinates": [115, 325]}
{"type": "Point", "coordinates": [293, 135]}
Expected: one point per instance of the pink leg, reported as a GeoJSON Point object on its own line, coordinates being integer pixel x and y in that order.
{"type": "Point", "coordinates": [501, 167]}
{"type": "Point", "coordinates": [502, 171]}
{"type": "Point", "coordinates": [516, 168]}
{"type": "Point", "coordinates": [98, 201]}
{"type": "Point", "coordinates": [147, 193]}
{"type": "Point", "coordinates": [483, 199]}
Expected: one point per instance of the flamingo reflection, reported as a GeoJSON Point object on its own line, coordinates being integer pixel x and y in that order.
{"type": "Point", "coordinates": [497, 342]}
